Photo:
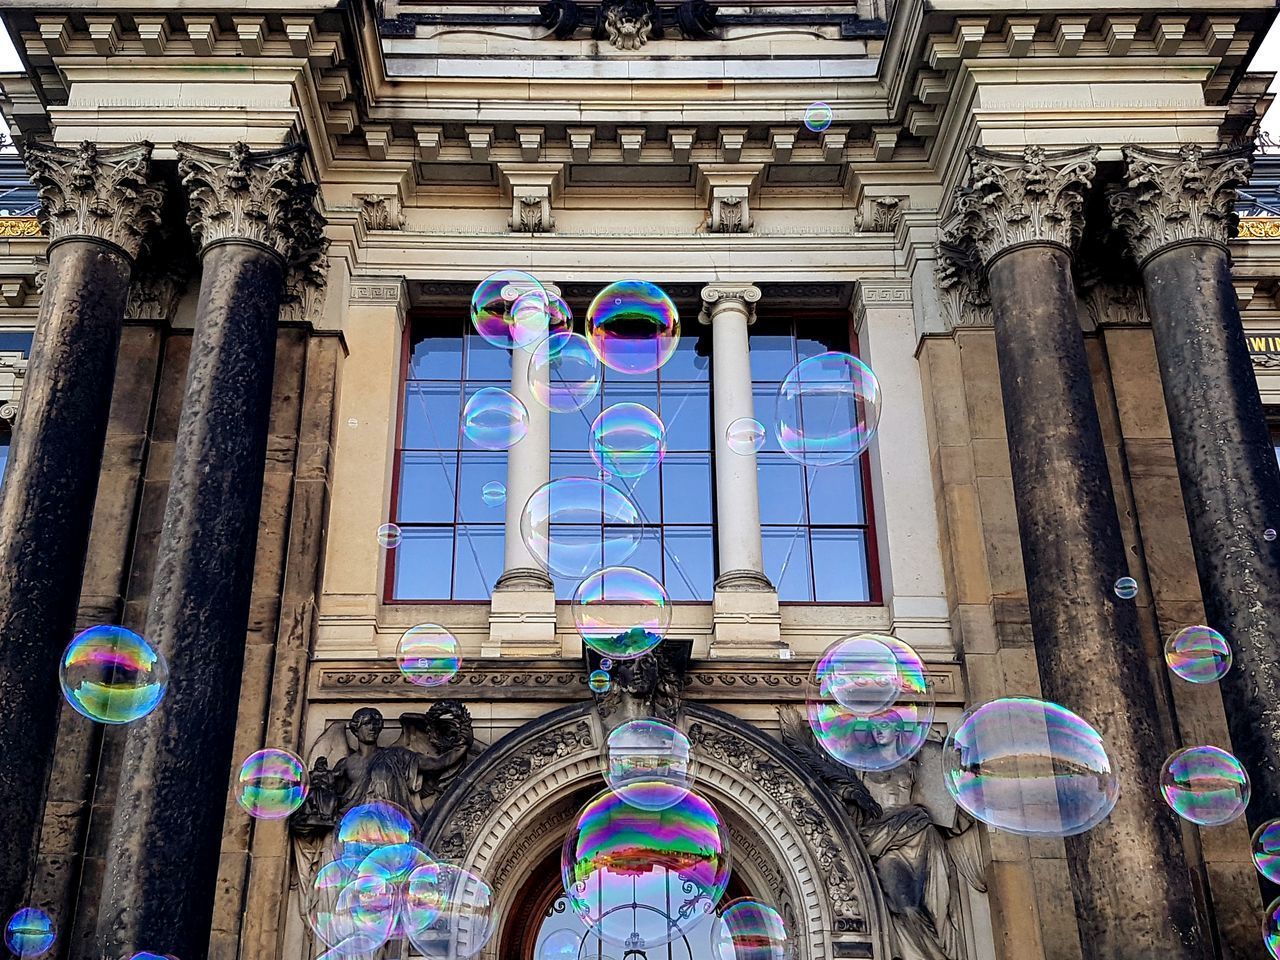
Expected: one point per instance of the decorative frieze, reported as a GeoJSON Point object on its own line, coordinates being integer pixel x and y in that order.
{"type": "Point", "coordinates": [106, 195]}
{"type": "Point", "coordinates": [12, 228]}
{"type": "Point", "coordinates": [1172, 197]}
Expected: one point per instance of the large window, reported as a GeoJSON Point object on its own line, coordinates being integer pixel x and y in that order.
{"type": "Point", "coordinates": [452, 539]}
{"type": "Point", "coordinates": [814, 521]}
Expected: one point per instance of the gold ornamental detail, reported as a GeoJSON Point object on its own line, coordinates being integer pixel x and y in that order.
{"type": "Point", "coordinates": [1259, 228]}
{"type": "Point", "coordinates": [12, 227]}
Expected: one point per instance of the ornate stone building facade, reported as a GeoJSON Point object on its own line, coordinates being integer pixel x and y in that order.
{"type": "Point", "coordinates": [260, 225]}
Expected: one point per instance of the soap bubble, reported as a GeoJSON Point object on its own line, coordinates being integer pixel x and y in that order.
{"type": "Point", "coordinates": [576, 525]}
{"type": "Point", "coordinates": [494, 493]}
{"type": "Point", "coordinates": [633, 327]}
{"type": "Point", "coordinates": [394, 865]}
{"type": "Point", "coordinates": [606, 663]}
{"type": "Point", "coordinates": [494, 420]}
{"type": "Point", "coordinates": [621, 612]}
{"type": "Point", "coordinates": [464, 922]}
{"type": "Point", "coordinates": [645, 875]}
{"type": "Point", "coordinates": [561, 945]}
{"type": "Point", "coordinates": [148, 955]}
{"type": "Point", "coordinates": [389, 536]}
{"type": "Point", "coordinates": [827, 409]}
{"type": "Point", "coordinates": [511, 309]}
{"type": "Point", "coordinates": [1266, 850]}
{"type": "Point", "coordinates": [745, 435]}
{"type": "Point", "coordinates": [627, 440]}
{"type": "Point", "coordinates": [111, 675]}
{"type": "Point", "coordinates": [29, 933]}
{"type": "Point", "coordinates": [428, 655]}
{"type": "Point", "coordinates": [1126, 588]}
{"type": "Point", "coordinates": [648, 764]}
{"type": "Point", "coordinates": [1198, 654]}
{"type": "Point", "coordinates": [749, 930]}
{"type": "Point", "coordinates": [368, 826]}
{"type": "Point", "coordinates": [817, 117]}
{"type": "Point", "coordinates": [1029, 767]}
{"type": "Point", "coordinates": [1269, 534]}
{"type": "Point", "coordinates": [1205, 785]}
{"type": "Point", "coordinates": [599, 681]}
{"type": "Point", "coordinates": [1271, 929]}
{"type": "Point", "coordinates": [361, 917]}
{"type": "Point", "coordinates": [861, 673]}
{"type": "Point", "coordinates": [564, 372]}
{"type": "Point", "coordinates": [272, 784]}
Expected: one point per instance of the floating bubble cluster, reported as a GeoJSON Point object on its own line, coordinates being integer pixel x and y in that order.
{"type": "Point", "coordinates": [648, 764]}
{"type": "Point", "coordinates": [621, 612]}
{"type": "Point", "coordinates": [272, 784]}
{"type": "Point", "coordinates": [577, 525]}
{"type": "Point", "coordinates": [389, 536]}
{"type": "Point", "coordinates": [511, 309]}
{"type": "Point", "coordinates": [428, 655]}
{"type": "Point", "coordinates": [1205, 785]}
{"type": "Point", "coordinates": [745, 436]}
{"type": "Point", "coordinates": [640, 878]}
{"type": "Point", "coordinates": [564, 372]}
{"type": "Point", "coordinates": [633, 327]}
{"type": "Point", "coordinates": [494, 493]}
{"type": "Point", "coordinates": [627, 440]}
{"type": "Point", "coordinates": [1198, 654]}
{"type": "Point", "coordinates": [749, 930]}
{"type": "Point", "coordinates": [1126, 588]}
{"type": "Point", "coordinates": [112, 675]}
{"type": "Point", "coordinates": [1266, 850]}
{"type": "Point", "coordinates": [1030, 767]}
{"type": "Point", "coordinates": [827, 409]}
{"type": "Point", "coordinates": [29, 933]}
{"type": "Point", "coordinates": [817, 117]}
{"type": "Point", "coordinates": [494, 420]}
{"type": "Point", "coordinates": [599, 681]}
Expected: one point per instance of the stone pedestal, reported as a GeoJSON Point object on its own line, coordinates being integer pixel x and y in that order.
{"type": "Point", "coordinates": [99, 206]}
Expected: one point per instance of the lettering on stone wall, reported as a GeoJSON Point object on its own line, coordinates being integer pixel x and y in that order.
{"type": "Point", "coordinates": [1264, 350]}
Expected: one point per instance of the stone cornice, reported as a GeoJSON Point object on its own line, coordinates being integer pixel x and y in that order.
{"type": "Point", "coordinates": [1035, 196]}
{"type": "Point", "coordinates": [106, 195]}
{"type": "Point", "coordinates": [748, 294]}
{"type": "Point", "coordinates": [1172, 197]}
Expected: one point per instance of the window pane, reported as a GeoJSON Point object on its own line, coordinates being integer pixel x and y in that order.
{"type": "Point", "coordinates": [627, 391]}
{"type": "Point", "coordinates": [422, 563]}
{"type": "Point", "coordinates": [567, 464]}
{"type": "Point", "coordinates": [478, 561]}
{"type": "Point", "coordinates": [427, 483]}
{"type": "Point", "coordinates": [840, 565]}
{"type": "Point", "coordinates": [835, 494]}
{"type": "Point", "coordinates": [690, 362]}
{"type": "Point", "coordinates": [771, 355]}
{"type": "Point", "coordinates": [786, 561]}
{"type": "Point", "coordinates": [569, 431]}
{"type": "Point", "coordinates": [436, 358]}
{"type": "Point", "coordinates": [644, 493]}
{"type": "Point", "coordinates": [764, 398]}
{"type": "Point", "coordinates": [686, 412]}
{"type": "Point", "coordinates": [690, 563]}
{"type": "Point", "coordinates": [648, 556]}
{"type": "Point", "coordinates": [686, 488]}
{"type": "Point", "coordinates": [479, 468]}
{"type": "Point", "coordinates": [4, 456]}
{"type": "Point", "coordinates": [782, 493]}
{"type": "Point", "coordinates": [487, 362]}
{"type": "Point", "coordinates": [432, 415]}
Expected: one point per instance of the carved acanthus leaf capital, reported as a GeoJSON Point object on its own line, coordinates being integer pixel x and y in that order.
{"type": "Point", "coordinates": [1173, 196]}
{"type": "Point", "coordinates": [1035, 196]}
{"type": "Point", "coordinates": [962, 288]}
{"type": "Point", "coordinates": [107, 195]}
{"type": "Point", "coordinates": [258, 197]}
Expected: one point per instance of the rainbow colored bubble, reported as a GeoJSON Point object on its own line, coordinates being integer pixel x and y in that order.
{"type": "Point", "coordinates": [465, 922]}
{"type": "Point", "coordinates": [377, 823]}
{"type": "Point", "coordinates": [627, 440]}
{"type": "Point", "coordinates": [493, 419]}
{"type": "Point", "coordinates": [1205, 785]}
{"type": "Point", "coordinates": [648, 764]}
{"type": "Point", "coordinates": [599, 681]}
{"type": "Point", "coordinates": [827, 409]}
{"type": "Point", "coordinates": [621, 612]}
{"type": "Point", "coordinates": [564, 372]}
{"type": "Point", "coordinates": [633, 326]}
{"type": "Point", "coordinates": [512, 309]}
{"type": "Point", "coordinates": [1198, 654]}
{"type": "Point", "coordinates": [29, 933]}
{"type": "Point", "coordinates": [817, 116]}
{"type": "Point", "coordinates": [1266, 850]}
{"type": "Point", "coordinates": [861, 673]}
{"type": "Point", "coordinates": [428, 655]}
{"type": "Point", "coordinates": [112, 675]}
{"type": "Point", "coordinates": [748, 929]}
{"type": "Point", "coordinates": [1271, 929]}
{"type": "Point", "coordinates": [272, 784]}
{"type": "Point", "coordinates": [577, 525]}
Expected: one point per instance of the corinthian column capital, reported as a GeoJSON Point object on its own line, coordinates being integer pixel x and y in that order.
{"type": "Point", "coordinates": [251, 197]}
{"type": "Point", "coordinates": [105, 195]}
{"type": "Point", "coordinates": [1032, 197]}
{"type": "Point", "coordinates": [1175, 196]}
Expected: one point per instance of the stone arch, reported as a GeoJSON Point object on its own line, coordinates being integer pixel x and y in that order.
{"type": "Point", "coordinates": [513, 806]}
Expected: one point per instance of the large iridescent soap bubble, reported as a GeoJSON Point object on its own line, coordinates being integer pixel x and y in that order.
{"type": "Point", "coordinates": [512, 309]}
{"type": "Point", "coordinates": [748, 929]}
{"type": "Point", "coordinates": [395, 864]}
{"type": "Point", "coordinates": [272, 784]}
{"type": "Point", "coordinates": [641, 878]}
{"type": "Point", "coordinates": [373, 824]}
{"type": "Point", "coordinates": [574, 526]}
{"type": "Point", "coordinates": [564, 372]}
{"type": "Point", "coordinates": [352, 913]}
{"type": "Point", "coordinates": [428, 655]}
{"type": "Point", "coordinates": [493, 419]}
{"type": "Point", "coordinates": [827, 409]}
{"type": "Point", "coordinates": [1205, 785]}
{"type": "Point", "coordinates": [464, 921]}
{"type": "Point", "coordinates": [1198, 654]}
{"type": "Point", "coordinates": [29, 933]}
{"type": "Point", "coordinates": [1030, 767]}
{"type": "Point", "coordinates": [648, 764]}
{"type": "Point", "coordinates": [633, 327]}
{"type": "Point", "coordinates": [621, 612]}
{"type": "Point", "coordinates": [112, 675]}
{"type": "Point", "coordinates": [1266, 850]}
{"type": "Point", "coordinates": [861, 673]}
{"type": "Point", "coordinates": [1271, 928]}
{"type": "Point", "coordinates": [627, 440]}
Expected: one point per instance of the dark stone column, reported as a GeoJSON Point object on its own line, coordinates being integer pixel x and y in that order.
{"type": "Point", "coordinates": [1177, 214]}
{"type": "Point", "coordinates": [1023, 214]}
{"type": "Point", "coordinates": [98, 207]}
{"type": "Point", "coordinates": [250, 213]}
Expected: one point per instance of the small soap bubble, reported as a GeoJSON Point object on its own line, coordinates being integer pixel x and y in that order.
{"type": "Point", "coordinates": [512, 309]}
{"type": "Point", "coordinates": [606, 663]}
{"type": "Point", "coordinates": [599, 681]}
{"type": "Point", "coordinates": [428, 655]}
{"type": "Point", "coordinates": [111, 675]}
{"type": "Point", "coordinates": [817, 116]}
{"type": "Point", "coordinates": [621, 612]}
{"type": "Point", "coordinates": [389, 536]}
{"type": "Point", "coordinates": [494, 420]}
{"type": "Point", "coordinates": [564, 372]}
{"type": "Point", "coordinates": [561, 945]}
{"type": "Point", "coordinates": [272, 784]}
{"type": "Point", "coordinates": [148, 955]}
{"type": "Point", "coordinates": [627, 440]}
{"type": "Point", "coordinates": [1269, 534]}
{"type": "Point", "coordinates": [633, 327]}
{"type": "Point", "coordinates": [353, 422]}
{"type": "Point", "coordinates": [1205, 785]}
{"type": "Point", "coordinates": [576, 525]}
{"type": "Point", "coordinates": [648, 764]}
{"type": "Point", "coordinates": [749, 930]}
{"type": "Point", "coordinates": [1198, 654]}
{"type": "Point", "coordinates": [1266, 850]}
{"type": "Point", "coordinates": [1271, 929]}
{"type": "Point", "coordinates": [29, 933]}
{"type": "Point", "coordinates": [745, 436]}
{"type": "Point", "coordinates": [827, 409]}
{"type": "Point", "coordinates": [494, 493]}
{"type": "Point", "coordinates": [1126, 588]}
